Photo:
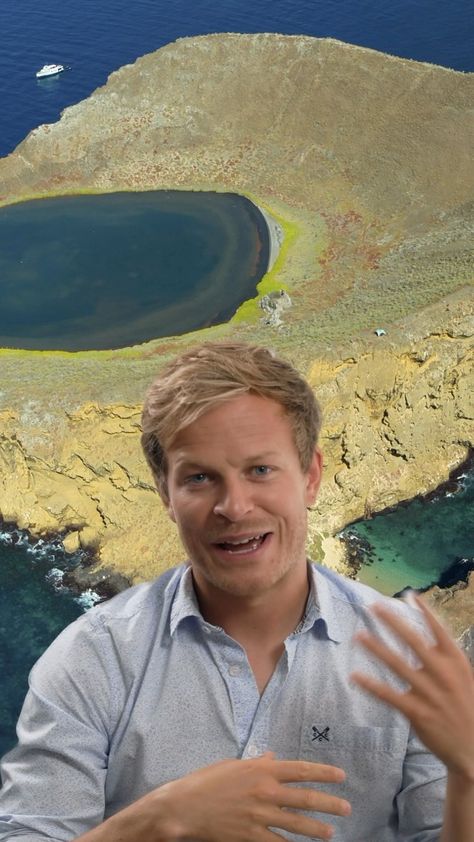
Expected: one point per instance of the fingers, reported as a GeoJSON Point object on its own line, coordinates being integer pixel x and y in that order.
{"type": "Point", "coordinates": [253, 794]}
{"type": "Point", "coordinates": [443, 639]}
{"type": "Point", "coordinates": [409, 704]}
{"type": "Point", "coordinates": [304, 826]}
{"type": "Point", "coordinates": [300, 798]}
{"type": "Point", "coordinates": [384, 692]}
{"type": "Point", "coordinates": [290, 798]}
{"type": "Point", "coordinates": [309, 800]}
{"type": "Point", "coordinates": [417, 678]}
{"type": "Point", "coordinates": [387, 655]}
{"type": "Point", "coordinates": [431, 657]}
{"type": "Point", "coordinates": [302, 771]}
{"type": "Point", "coordinates": [416, 641]}
{"type": "Point", "coordinates": [439, 698]}
{"type": "Point", "coordinates": [427, 654]}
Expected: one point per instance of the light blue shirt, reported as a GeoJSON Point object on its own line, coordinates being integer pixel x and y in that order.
{"type": "Point", "coordinates": [142, 690]}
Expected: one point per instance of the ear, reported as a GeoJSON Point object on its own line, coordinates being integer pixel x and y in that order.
{"type": "Point", "coordinates": [313, 477]}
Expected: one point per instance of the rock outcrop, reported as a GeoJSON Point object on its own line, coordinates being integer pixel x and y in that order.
{"type": "Point", "coordinates": [274, 305]}
{"type": "Point", "coordinates": [366, 162]}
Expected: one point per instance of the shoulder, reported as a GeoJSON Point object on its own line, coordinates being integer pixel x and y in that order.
{"type": "Point", "coordinates": [89, 670]}
{"type": "Point", "coordinates": [350, 602]}
{"type": "Point", "coordinates": [125, 622]}
{"type": "Point", "coordinates": [147, 599]}
{"type": "Point", "coordinates": [96, 659]}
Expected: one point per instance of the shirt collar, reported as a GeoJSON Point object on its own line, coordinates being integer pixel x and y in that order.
{"type": "Point", "coordinates": [324, 607]}
{"type": "Point", "coordinates": [319, 606]}
{"type": "Point", "coordinates": [185, 602]}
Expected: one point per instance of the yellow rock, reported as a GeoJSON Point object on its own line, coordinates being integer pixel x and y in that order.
{"type": "Point", "coordinates": [71, 542]}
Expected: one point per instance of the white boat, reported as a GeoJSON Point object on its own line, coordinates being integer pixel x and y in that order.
{"type": "Point", "coordinates": [49, 70]}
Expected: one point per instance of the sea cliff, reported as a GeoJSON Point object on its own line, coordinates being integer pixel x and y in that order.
{"type": "Point", "coordinates": [366, 162]}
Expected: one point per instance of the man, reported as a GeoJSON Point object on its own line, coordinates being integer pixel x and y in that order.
{"type": "Point", "coordinates": [227, 701]}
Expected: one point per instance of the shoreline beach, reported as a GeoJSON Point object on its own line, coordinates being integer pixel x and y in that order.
{"type": "Point", "coordinates": [275, 236]}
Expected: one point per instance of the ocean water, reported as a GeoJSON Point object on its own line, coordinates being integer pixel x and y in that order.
{"type": "Point", "coordinates": [34, 608]}
{"type": "Point", "coordinates": [137, 266]}
{"type": "Point", "coordinates": [96, 37]}
{"type": "Point", "coordinates": [416, 544]}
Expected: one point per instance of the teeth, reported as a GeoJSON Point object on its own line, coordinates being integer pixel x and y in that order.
{"type": "Point", "coordinates": [245, 540]}
{"type": "Point", "coordinates": [243, 546]}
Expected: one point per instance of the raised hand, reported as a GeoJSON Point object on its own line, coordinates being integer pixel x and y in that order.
{"type": "Point", "coordinates": [439, 701]}
{"type": "Point", "coordinates": [239, 800]}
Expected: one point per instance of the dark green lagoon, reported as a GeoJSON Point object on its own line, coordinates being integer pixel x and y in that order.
{"type": "Point", "coordinates": [109, 271]}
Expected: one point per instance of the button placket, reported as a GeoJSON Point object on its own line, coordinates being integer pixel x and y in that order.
{"type": "Point", "coordinates": [253, 750]}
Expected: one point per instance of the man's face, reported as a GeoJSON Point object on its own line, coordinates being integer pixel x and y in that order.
{"type": "Point", "coordinates": [238, 495]}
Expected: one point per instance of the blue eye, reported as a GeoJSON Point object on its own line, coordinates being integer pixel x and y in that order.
{"type": "Point", "coordinates": [196, 479]}
{"type": "Point", "coordinates": [262, 470]}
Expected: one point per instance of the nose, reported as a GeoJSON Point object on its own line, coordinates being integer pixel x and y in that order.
{"type": "Point", "coordinates": [234, 500]}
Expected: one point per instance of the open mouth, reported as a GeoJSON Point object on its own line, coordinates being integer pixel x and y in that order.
{"type": "Point", "coordinates": [243, 545]}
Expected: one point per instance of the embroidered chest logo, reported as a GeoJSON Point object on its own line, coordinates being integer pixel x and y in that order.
{"type": "Point", "coordinates": [320, 735]}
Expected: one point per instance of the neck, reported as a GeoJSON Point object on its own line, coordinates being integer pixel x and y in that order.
{"type": "Point", "coordinates": [258, 619]}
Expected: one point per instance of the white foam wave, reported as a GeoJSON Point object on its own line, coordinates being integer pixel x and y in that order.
{"type": "Point", "coordinates": [87, 599]}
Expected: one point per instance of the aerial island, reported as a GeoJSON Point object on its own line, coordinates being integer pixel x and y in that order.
{"type": "Point", "coordinates": [362, 165]}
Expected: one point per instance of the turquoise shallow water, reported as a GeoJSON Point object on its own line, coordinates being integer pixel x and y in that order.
{"type": "Point", "coordinates": [414, 544]}
{"type": "Point", "coordinates": [100, 272]}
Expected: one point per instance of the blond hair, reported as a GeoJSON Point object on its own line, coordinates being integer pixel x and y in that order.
{"type": "Point", "coordinates": [212, 374]}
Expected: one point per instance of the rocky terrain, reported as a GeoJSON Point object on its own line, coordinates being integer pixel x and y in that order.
{"type": "Point", "coordinates": [365, 161]}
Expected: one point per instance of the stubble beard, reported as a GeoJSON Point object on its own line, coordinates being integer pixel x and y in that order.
{"type": "Point", "coordinates": [243, 581]}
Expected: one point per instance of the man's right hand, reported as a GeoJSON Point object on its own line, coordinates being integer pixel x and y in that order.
{"type": "Point", "coordinates": [233, 800]}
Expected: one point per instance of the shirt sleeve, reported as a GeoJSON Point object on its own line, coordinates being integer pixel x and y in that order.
{"type": "Point", "coordinates": [420, 802]}
{"type": "Point", "coordinates": [54, 779]}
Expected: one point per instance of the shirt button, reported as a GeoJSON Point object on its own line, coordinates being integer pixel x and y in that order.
{"type": "Point", "coordinates": [235, 669]}
{"type": "Point", "coordinates": [253, 751]}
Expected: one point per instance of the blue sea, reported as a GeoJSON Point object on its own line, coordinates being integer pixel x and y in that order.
{"type": "Point", "coordinates": [34, 607]}
{"type": "Point", "coordinates": [95, 37]}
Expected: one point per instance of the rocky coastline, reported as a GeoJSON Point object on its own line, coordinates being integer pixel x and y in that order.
{"type": "Point", "coordinates": [372, 194]}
